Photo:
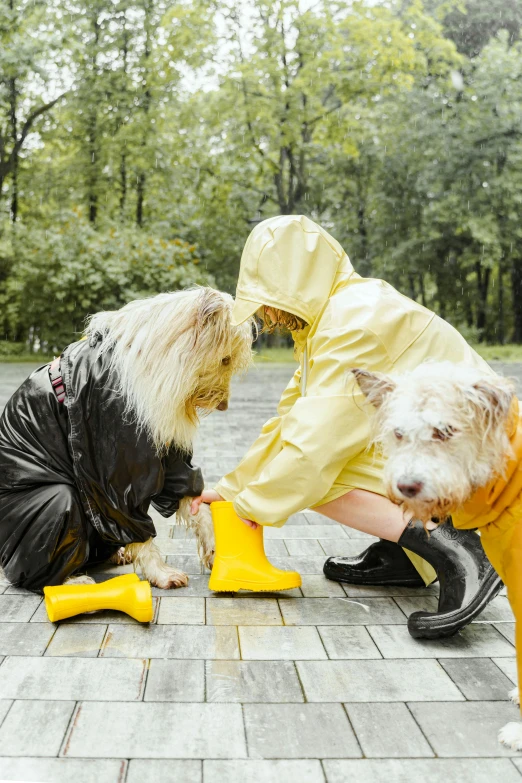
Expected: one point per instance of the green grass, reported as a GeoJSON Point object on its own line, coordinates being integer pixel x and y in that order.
{"type": "Point", "coordinates": [503, 353]}
{"type": "Point", "coordinates": [275, 356]}
{"type": "Point", "coordinates": [33, 358]}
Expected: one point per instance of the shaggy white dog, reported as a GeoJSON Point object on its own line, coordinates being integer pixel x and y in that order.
{"type": "Point", "coordinates": [443, 430]}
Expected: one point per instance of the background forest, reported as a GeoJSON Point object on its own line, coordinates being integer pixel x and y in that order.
{"type": "Point", "coordinates": [141, 140]}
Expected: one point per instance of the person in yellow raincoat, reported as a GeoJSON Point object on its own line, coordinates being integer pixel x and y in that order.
{"type": "Point", "coordinates": [315, 452]}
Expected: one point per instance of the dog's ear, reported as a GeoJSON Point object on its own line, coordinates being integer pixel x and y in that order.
{"type": "Point", "coordinates": [213, 317]}
{"type": "Point", "coordinates": [374, 387]}
{"type": "Point", "coordinates": [495, 396]}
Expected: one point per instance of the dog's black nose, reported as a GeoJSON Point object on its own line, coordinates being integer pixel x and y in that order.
{"type": "Point", "coordinates": [409, 488]}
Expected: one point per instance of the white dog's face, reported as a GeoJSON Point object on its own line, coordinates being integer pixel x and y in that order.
{"type": "Point", "coordinates": [443, 431]}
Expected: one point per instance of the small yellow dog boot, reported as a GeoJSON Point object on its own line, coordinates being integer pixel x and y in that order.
{"type": "Point", "coordinates": [125, 593]}
{"type": "Point", "coordinates": [240, 562]}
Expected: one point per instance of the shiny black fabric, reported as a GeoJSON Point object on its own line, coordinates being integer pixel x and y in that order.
{"type": "Point", "coordinates": [76, 479]}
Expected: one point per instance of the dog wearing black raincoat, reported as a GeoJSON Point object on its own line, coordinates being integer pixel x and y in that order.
{"type": "Point", "coordinates": [90, 441]}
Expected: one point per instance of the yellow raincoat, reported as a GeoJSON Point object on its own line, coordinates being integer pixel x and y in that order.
{"type": "Point", "coordinates": [496, 510]}
{"type": "Point", "coordinates": [315, 449]}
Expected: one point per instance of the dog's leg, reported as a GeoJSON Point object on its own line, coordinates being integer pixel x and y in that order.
{"type": "Point", "coordinates": [148, 558]}
{"type": "Point", "coordinates": [514, 696]}
{"type": "Point", "coordinates": [511, 735]}
{"type": "Point", "coordinates": [201, 524]}
{"type": "Point", "coordinates": [121, 557]}
{"type": "Point", "coordinates": [79, 579]}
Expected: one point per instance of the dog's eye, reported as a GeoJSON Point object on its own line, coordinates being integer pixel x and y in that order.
{"type": "Point", "coordinates": [443, 434]}
{"type": "Point", "coordinates": [226, 360]}
{"type": "Point", "coordinates": [399, 434]}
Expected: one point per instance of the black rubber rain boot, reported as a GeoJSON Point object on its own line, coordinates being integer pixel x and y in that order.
{"type": "Point", "coordinates": [468, 582]}
{"type": "Point", "coordinates": [383, 563]}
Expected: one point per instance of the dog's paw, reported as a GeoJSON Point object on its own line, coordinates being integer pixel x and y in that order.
{"type": "Point", "coordinates": [510, 735]}
{"type": "Point", "coordinates": [79, 579]}
{"type": "Point", "coordinates": [514, 696]}
{"type": "Point", "coordinates": [167, 577]}
{"type": "Point", "coordinates": [123, 556]}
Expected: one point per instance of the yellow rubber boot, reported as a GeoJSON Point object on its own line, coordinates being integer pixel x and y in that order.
{"type": "Point", "coordinates": [240, 562]}
{"type": "Point", "coordinates": [125, 593]}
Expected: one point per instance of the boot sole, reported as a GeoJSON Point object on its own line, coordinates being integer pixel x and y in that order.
{"type": "Point", "coordinates": [234, 585]}
{"type": "Point", "coordinates": [377, 582]}
{"type": "Point", "coordinates": [428, 627]}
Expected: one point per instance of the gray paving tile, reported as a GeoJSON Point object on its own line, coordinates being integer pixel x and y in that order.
{"type": "Point", "coordinates": [274, 546]}
{"type": "Point", "coordinates": [318, 586]}
{"type": "Point", "coordinates": [175, 680]}
{"type": "Point", "coordinates": [252, 681]}
{"type": "Point", "coordinates": [499, 609]}
{"type": "Point", "coordinates": [421, 770]}
{"type": "Point", "coordinates": [518, 765]}
{"type": "Point", "coordinates": [304, 546]}
{"type": "Point", "coordinates": [387, 731]}
{"type": "Point", "coordinates": [379, 591]}
{"type": "Point", "coordinates": [170, 641]}
{"type": "Point", "coordinates": [63, 770]}
{"type": "Point", "coordinates": [182, 611]}
{"type": "Point", "coordinates": [72, 679]}
{"type": "Point", "coordinates": [77, 640]}
{"type": "Point", "coordinates": [299, 731]}
{"type": "Point", "coordinates": [262, 771]}
{"type": "Point", "coordinates": [478, 678]}
{"type": "Point", "coordinates": [198, 585]}
{"type": "Point", "coordinates": [305, 531]}
{"type": "Point", "coordinates": [303, 564]}
{"type": "Point", "coordinates": [280, 643]}
{"type": "Point", "coordinates": [22, 639]}
{"type": "Point", "coordinates": [35, 728]}
{"type": "Point", "coordinates": [171, 771]}
{"type": "Point", "coordinates": [157, 730]}
{"type": "Point", "coordinates": [348, 641]}
{"type": "Point", "coordinates": [177, 546]}
{"type": "Point", "coordinates": [508, 666]}
{"type": "Point", "coordinates": [507, 630]}
{"type": "Point", "coordinates": [475, 641]}
{"type": "Point", "coordinates": [190, 564]}
{"type": "Point", "coordinates": [376, 681]}
{"type": "Point", "coordinates": [18, 608]}
{"type": "Point", "coordinates": [466, 729]}
{"type": "Point", "coordinates": [12, 590]}
{"type": "Point", "coordinates": [341, 611]}
{"type": "Point", "coordinates": [5, 706]}
{"type": "Point", "coordinates": [241, 610]}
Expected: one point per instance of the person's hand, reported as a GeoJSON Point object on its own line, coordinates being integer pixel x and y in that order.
{"type": "Point", "coordinates": [207, 496]}
{"type": "Point", "coordinates": [250, 523]}
{"type": "Point", "coordinates": [211, 496]}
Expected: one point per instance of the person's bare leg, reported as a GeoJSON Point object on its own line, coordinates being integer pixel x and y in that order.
{"type": "Point", "coordinates": [368, 512]}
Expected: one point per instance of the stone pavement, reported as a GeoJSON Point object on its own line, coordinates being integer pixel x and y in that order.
{"type": "Point", "coordinates": [319, 684]}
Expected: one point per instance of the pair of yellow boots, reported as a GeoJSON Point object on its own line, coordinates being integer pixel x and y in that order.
{"type": "Point", "coordinates": [240, 563]}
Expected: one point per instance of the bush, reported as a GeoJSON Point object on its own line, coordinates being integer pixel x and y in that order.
{"type": "Point", "coordinates": [57, 277]}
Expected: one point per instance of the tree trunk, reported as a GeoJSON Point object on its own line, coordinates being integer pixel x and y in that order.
{"type": "Point", "coordinates": [13, 119]}
{"type": "Point", "coordinates": [501, 324]}
{"type": "Point", "coordinates": [141, 196]}
{"type": "Point", "coordinates": [483, 278]}
{"type": "Point", "coordinates": [123, 183]}
{"type": "Point", "coordinates": [516, 293]}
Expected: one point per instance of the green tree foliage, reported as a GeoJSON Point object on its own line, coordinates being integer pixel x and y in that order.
{"type": "Point", "coordinates": [60, 275]}
{"type": "Point", "coordinates": [137, 129]}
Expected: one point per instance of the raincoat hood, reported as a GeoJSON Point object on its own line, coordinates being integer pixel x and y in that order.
{"type": "Point", "coordinates": [292, 264]}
